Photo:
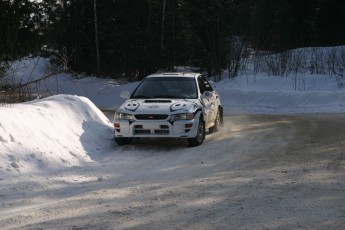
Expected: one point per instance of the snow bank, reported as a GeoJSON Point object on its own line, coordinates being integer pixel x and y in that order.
{"type": "Point", "coordinates": [281, 95]}
{"type": "Point", "coordinates": [52, 133]}
{"type": "Point", "coordinates": [261, 102]}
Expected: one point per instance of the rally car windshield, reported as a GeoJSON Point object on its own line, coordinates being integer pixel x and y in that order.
{"type": "Point", "coordinates": [166, 87]}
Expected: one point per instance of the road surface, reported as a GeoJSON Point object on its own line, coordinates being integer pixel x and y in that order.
{"type": "Point", "coordinates": [258, 172]}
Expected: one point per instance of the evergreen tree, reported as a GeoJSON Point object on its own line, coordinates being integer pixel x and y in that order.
{"type": "Point", "coordinates": [22, 31]}
{"type": "Point", "coordinates": [137, 37]}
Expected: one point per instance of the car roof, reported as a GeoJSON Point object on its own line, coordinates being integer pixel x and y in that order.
{"type": "Point", "coordinates": [175, 74]}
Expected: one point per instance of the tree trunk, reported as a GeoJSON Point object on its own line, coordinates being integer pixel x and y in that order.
{"type": "Point", "coordinates": [163, 24]}
{"type": "Point", "coordinates": [96, 37]}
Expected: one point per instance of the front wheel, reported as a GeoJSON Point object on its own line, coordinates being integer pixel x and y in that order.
{"type": "Point", "coordinates": [200, 136]}
{"type": "Point", "coordinates": [123, 140]}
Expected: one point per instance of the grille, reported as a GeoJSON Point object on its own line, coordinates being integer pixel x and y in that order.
{"type": "Point", "coordinates": [142, 131]}
{"type": "Point", "coordinates": [151, 116]}
{"type": "Point", "coordinates": [162, 130]}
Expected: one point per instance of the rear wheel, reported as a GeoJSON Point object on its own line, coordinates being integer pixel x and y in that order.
{"type": "Point", "coordinates": [218, 122]}
{"type": "Point", "coordinates": [200, 135]}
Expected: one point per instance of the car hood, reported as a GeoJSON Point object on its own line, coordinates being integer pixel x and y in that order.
{"type": "Point", "coordinates": [158, 106]}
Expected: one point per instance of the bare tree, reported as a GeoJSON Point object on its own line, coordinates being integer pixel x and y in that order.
{"type": "Point", "coordinates": [13, 91]}
{"type": "Point", "coordinates": [236, 50]}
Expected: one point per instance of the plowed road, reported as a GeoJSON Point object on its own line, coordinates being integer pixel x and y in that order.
{"type": "Point", "coordinates": [258, 172]}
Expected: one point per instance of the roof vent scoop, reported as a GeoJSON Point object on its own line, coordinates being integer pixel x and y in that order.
{"type": "Point", "coordinates": [157, 101]}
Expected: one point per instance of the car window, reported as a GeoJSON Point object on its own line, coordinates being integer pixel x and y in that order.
{"type": "Point", "coordinates": [207, 84]}
{"type": "Point", "coordinates": [204, 85]}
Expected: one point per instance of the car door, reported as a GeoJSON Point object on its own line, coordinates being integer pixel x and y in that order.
{"type": "Point", "coordinates": [209, 100]}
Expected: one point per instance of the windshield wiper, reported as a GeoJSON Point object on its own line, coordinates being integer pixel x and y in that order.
{"type": "Point", "coordinates": [163, 96]}
{"type": "Point", "coordinates": [170, 96]}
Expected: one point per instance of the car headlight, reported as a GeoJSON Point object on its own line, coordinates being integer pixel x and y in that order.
{"type": "Point", "coordinates": [123, 116]}
{"type": "Point", "coordinates": [182, 116]}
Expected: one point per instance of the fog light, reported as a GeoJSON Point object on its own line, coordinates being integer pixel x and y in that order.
{"type": "Point", "coordinates": [188, 126]}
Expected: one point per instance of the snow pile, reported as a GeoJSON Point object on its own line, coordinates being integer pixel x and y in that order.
{"type": "Point", "coordinates": [51, 133]}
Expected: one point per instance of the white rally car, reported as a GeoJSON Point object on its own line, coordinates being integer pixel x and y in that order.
{"type": "Point", "coordinates": [177, 105]}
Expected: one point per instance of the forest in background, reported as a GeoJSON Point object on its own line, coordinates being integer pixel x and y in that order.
{"type": "Point", "coordinates": [133, 38]}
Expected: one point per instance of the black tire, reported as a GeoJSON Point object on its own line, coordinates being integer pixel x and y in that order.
{"type": "Point", "coordinates": [123, 140]}
{"type": "Point", "coordinates": [200, 135]}
{"type": "Point", "coordinates": [218, 123]}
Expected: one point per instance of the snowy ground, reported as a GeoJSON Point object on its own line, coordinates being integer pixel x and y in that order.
{"type": "Point", "coordinates": [69, 130]}
{"type": "Point", "coordinates": [243, 95]}
{"type": "Point", "coordinates": [60, 149]}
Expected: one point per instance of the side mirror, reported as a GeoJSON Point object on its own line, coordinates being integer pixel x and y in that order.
{"type": "Point", "coordinates": [124, 94]}
{"type": "Point", "coordinates": [207, 94]}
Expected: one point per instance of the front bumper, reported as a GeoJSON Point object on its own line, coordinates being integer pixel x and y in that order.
{"type": "Point", "coordinates": [156, 128]}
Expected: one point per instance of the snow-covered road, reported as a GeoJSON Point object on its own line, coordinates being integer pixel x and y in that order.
{"type": "Point", "coordinates": [274, 172]}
